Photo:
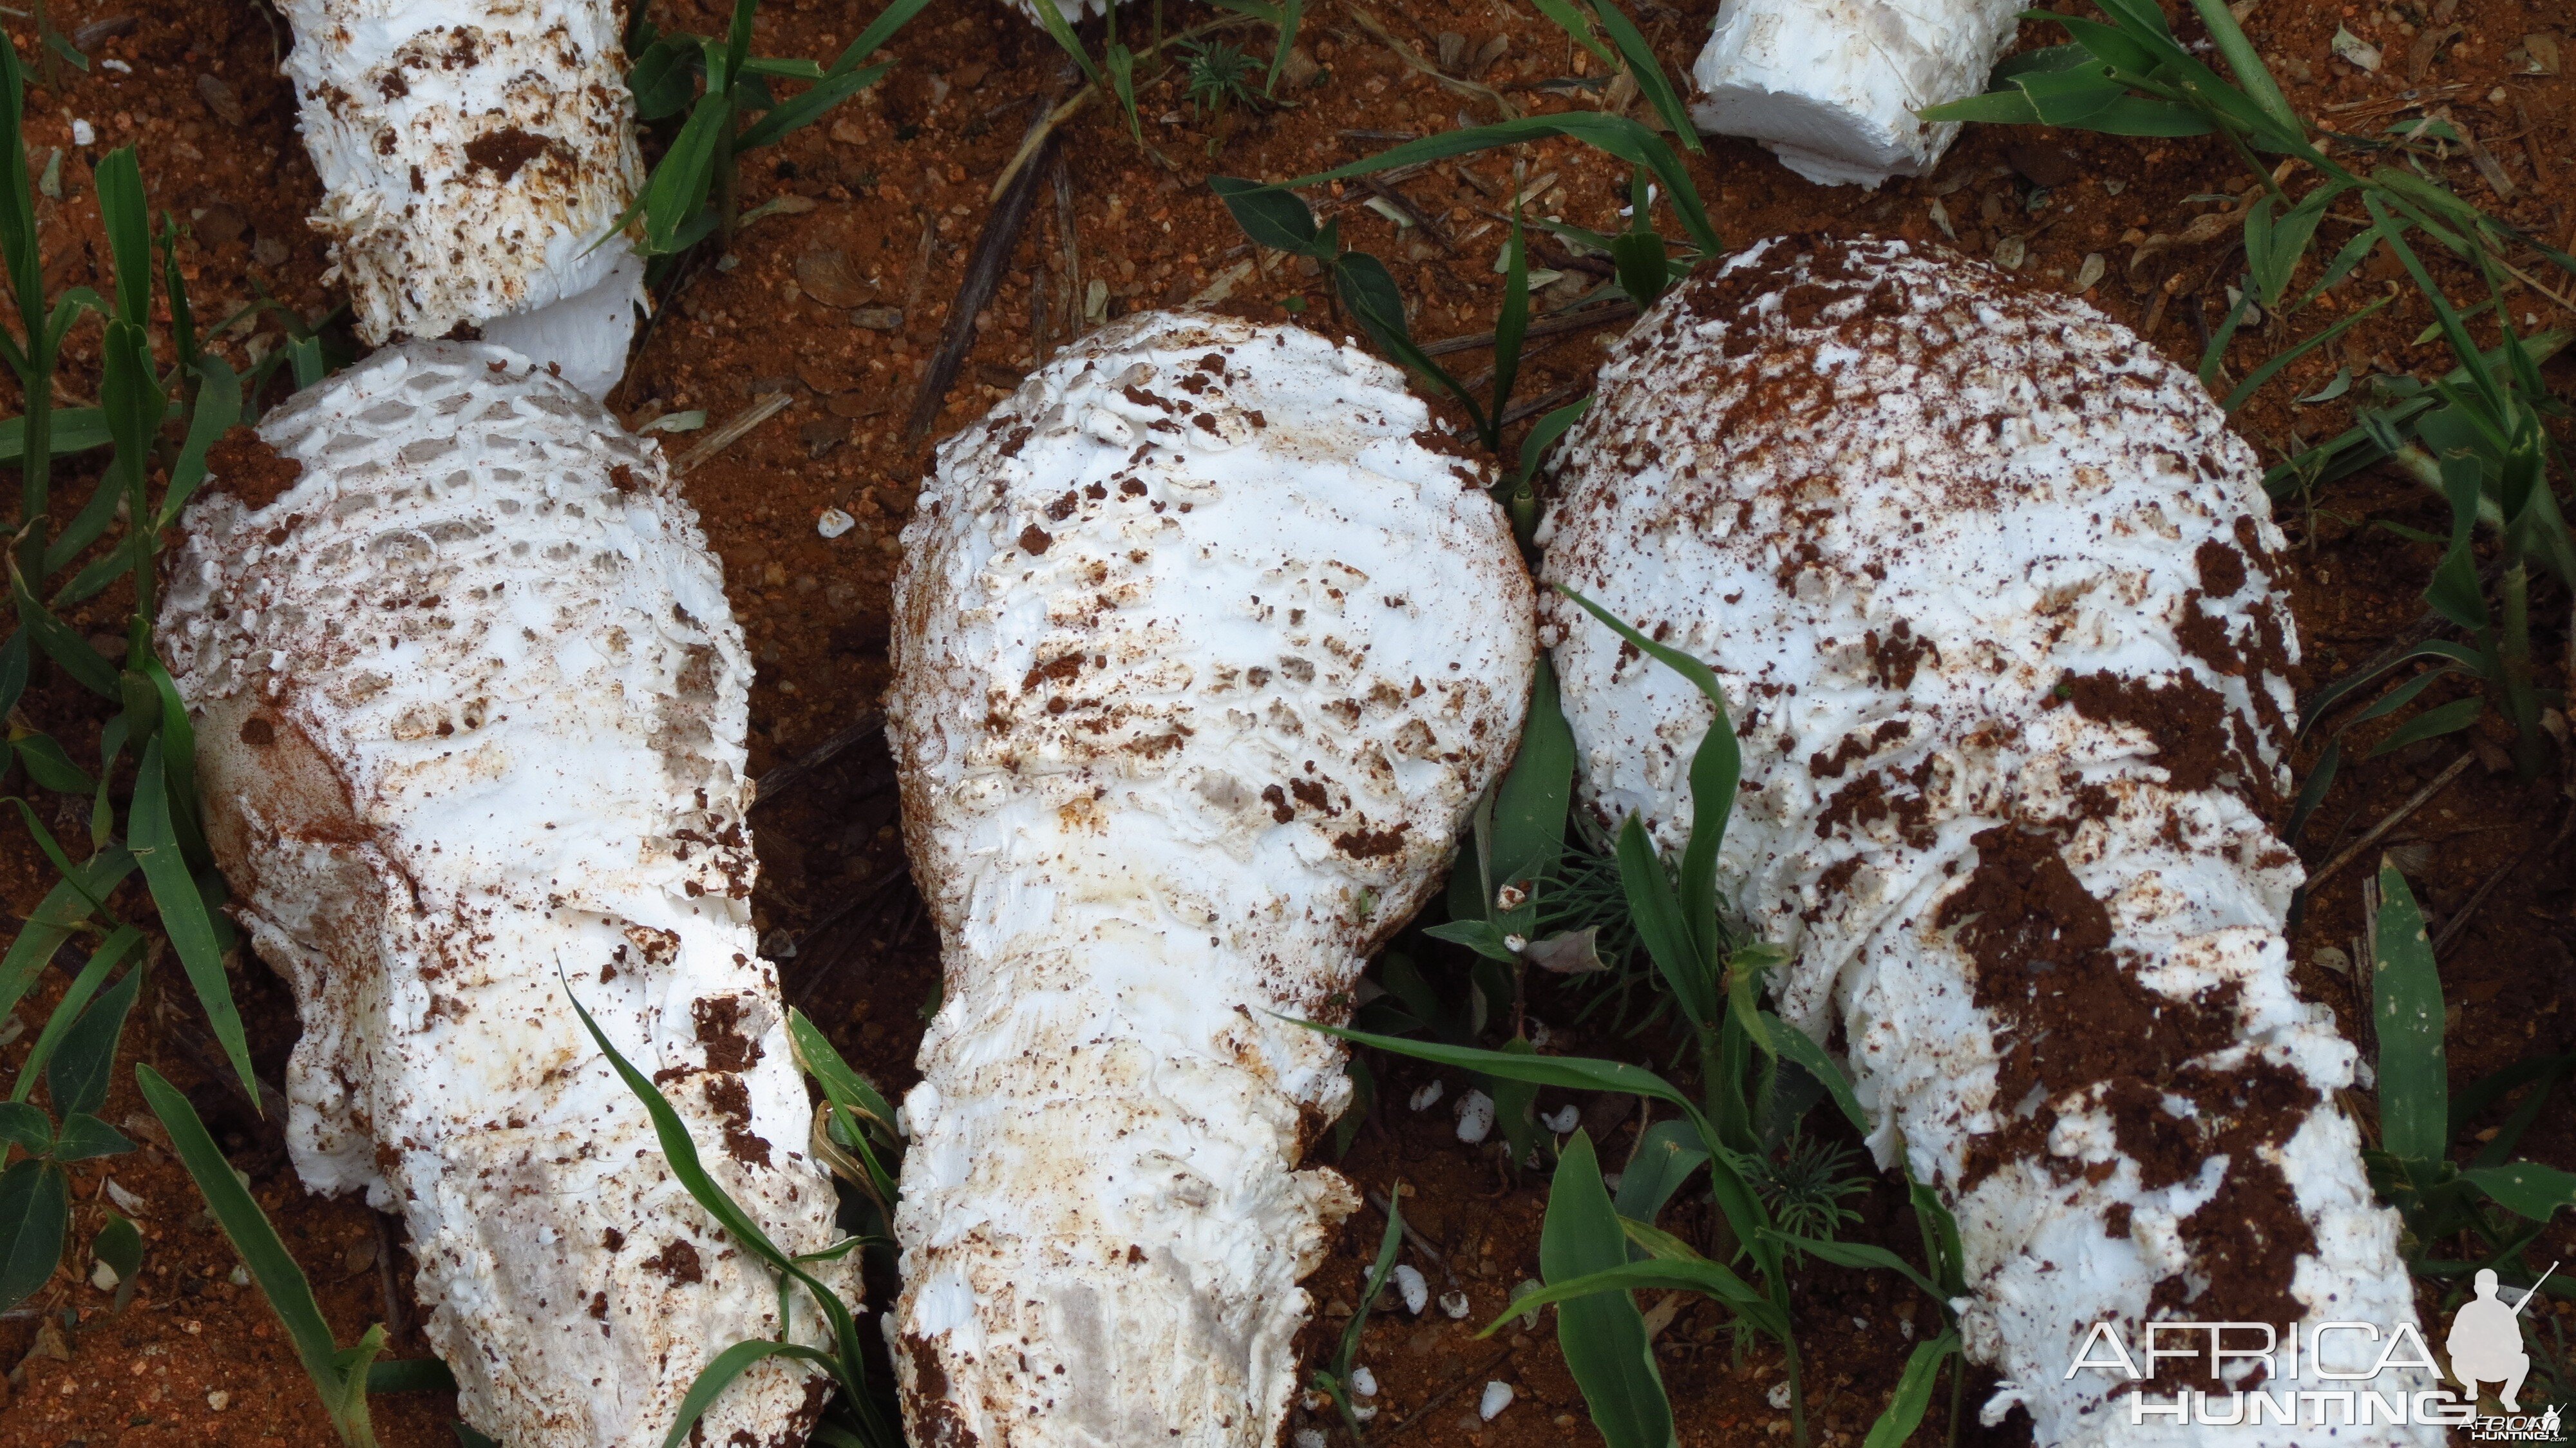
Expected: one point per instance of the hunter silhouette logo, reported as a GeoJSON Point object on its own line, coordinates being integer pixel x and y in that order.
{"type": "Point", "coordinates": [2486, 1341]}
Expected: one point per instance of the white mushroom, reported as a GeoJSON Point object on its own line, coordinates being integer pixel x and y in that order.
{"type": "Point", "coordinates": [1201, 654]}
{"type": "Point", "coordinates": [1989, 585]}
{"type": "Point", "coordinates": [1832, 86]}
{"type": "Point", "coordinates": [470, 708]}
{"type": "Point", "coordinates": [473, 154]}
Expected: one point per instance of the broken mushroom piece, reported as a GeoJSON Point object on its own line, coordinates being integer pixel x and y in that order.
{"type": "Point", "coordinates": [473, 155]}
{"type": "Point", "coordinates": [470, 708]}
{"type": "Point", "coordinates": [1832, 86]}
{"type": "Point", "coordinates": [1202, 651]}
{"type": "Point", "coordinates": [1990, 587]}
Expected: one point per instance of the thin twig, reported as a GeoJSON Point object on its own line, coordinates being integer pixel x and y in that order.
{"type": "Point", "coordinates": [734, 430]}
{"type": "Point", "coordinates": [1436, 1399]}
{"type": "Point", "coordinates": [1069, 241]}
{"type": "Point", "coordinates": [2395, 817]}
{"type": "Point", "coordinates": [1576, 319]}
{"type": "Point", "coordinates": [772, 784]}
{"type": "Point", "coordinates": [1052, 121]}
{"type": "Point", "coordinates": [1421, 1243]}
{"type": "Point", "coordinates": [1422, 220]}
{"type": "Point", "coordinates": [2459, 920]}
{"type": "Point", "coordinates": [1002, 227]}
{"type": "Point", "coordinates": [388, 1281]}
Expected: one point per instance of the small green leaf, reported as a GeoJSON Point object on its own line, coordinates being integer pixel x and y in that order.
{"type": "Point", "coordinates": [85, 1137]}
{"type": "Point", "coordinates": [79, 1071]}
{"type": "Point", "coordinates": [410, 1375]}
{"type": "Point", "coordinates": [51, 768]}
{"type": "Point", "coordinates": [1271, 217]}
{"type": "Point", "coordinates": [35, 1212]}
{"type": "Point", "coordinates": [2406, 1008]}
{"type": "Point", "coordinates": [2526, 1189]}
{"type": "Point", "coordinates": [1913, 1393]}
{"type": "Point", "coordinates": [1669, 1156]}
{"type": "Point", "coordinates": [719, 1374]}
{"type": "Point", "coordinates": [1603, 1336]}
{"type": "Point", "coordinates": [120, 1246]}
{"type": "Point", "coordinates": [183, 911]}
{"type": "Point", "coordinates": [26, 1125]}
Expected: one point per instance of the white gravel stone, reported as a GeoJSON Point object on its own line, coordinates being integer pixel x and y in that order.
{"type": "Point", "coordinates": [1491, 1403]}
{"type": "Point", "coordinates": [1363, 1382]}
{"type": "Point", "coordinates": [1426, 1096]}
{"type": "Point", "coordinates": [1475, 1117]}
{"type": "Point", "coordinates": [1455, 1304]}
{"type": "Point", "coordinates": [1410, 1286]}
{"type": "Point", "coordinates": [832, 523]}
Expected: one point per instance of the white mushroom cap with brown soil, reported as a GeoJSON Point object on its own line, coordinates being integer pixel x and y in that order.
{"type": "Point", "coordinates": [1989, 585]}
{"type": "Point", "coordinates": [1201, 655]}
{"type": "Point", "coordinates": [473, 154]}
{"type": "Point", "coordinates": [470, 708]}
{"type": "Point", "coordinates": [1832, 86]}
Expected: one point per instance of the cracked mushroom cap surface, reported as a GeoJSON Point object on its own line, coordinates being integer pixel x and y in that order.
{"type": "Point", "coordinates": [1989, 585]}
{"type": "Point", "coordinates": [470, 709]}
{"type": "Point", "coordinates": [471, 154]}
{"type": "Point", "coordinates": [1201, 657]}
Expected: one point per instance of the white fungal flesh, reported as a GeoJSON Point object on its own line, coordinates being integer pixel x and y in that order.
{"type": "Point", "coordinates": [472, 152]}
{"type": "Point", "coordinates": [1832, 86]}
{"type": "Point", "coordinates": [470, 708]}
{"type": "Point", "coordinates": [1988, 583]}
{"type": "Point", "coordinates": [1200, 656]}
{"type": "Point", "coordinates": [1410, 1286]}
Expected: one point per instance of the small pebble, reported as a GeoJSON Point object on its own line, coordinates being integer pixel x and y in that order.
{"type": "Point", "coordinates": [120, 67]}
{"type": "Point", "coordinates": [1454, 1303]}
{"type": "Point", "coordinates": [1310, 1438]}
{"type": "Point", "coordinates": [240, 1277]}
{"type": "Point", "coordinates": [1611, 1179]}
{"type": "Point", "coordinates": [833, 523]}
{"type": "Point", "coordinates": [219, 1400]}
{"type": "Point", "coordinates": [1425, 1097]}
{"type": "Point", "coordinates": [126, 1202]}
{"type": "Point", "coordinates": [1475, 1117]}
{"type": "Point", "coordinates": [1415, 1291]}
{"type": "Point", "coordinates": [1778, 1397]}
{"type": "Point", "coordinates": [1363, 1382]}
{"type": "Point", "coordinates": [84, 134]}
{"type": "Point", "coordinates": [1564, 1120]}
{"type": "Point", "coordinates": [1498, 1396]}
{"type": "Point", "coordinates": [102, 1277]}
{"type": "Point", "coordinates": [1363, 1411]}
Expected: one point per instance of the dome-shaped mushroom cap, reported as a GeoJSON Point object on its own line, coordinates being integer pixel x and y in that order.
{"type": "Point", "coordinates": [1989, 587]}
{"type": "Point", "coordinates": [469, 708]}
{"type": "Point", "coordinates": [1203, 649]}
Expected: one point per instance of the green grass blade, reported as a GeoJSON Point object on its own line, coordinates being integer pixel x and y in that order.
{"type": "Point", "coordinates": [1577, 1073]}
{"type": "Point", "coordinates": [1647, 71]}
{"type": "Point", "coordinates": [128, 220]}
{"type": "Point", "coordinates": [1369, 292]}
{"type": "Point", "coordinates": [77, 1073]}
{"type": "Point", "coordinates": [1669, 1155]}
{"type": "Point", "coordinates": [1530, 805]}
{"type": "Point", "coordinates": [1811, 1058]}
{"type": "Point", "coordinates": [2526, 1189]}
{"type": "Point", "coordinates": [35, 1213]}
{"type": "Point", "coordinates": [1709, 1279]}
{"type": "Point", "coordinates": [65, 908]}
{"type": "Point", "coordinates": [1864, 1257]}
{"type": "Point", "coordinates": [1657, 915]}
{"type": "Point", "coordinates": [280, 1281]}
{"type": "Point", "coordinates": [1913, 1393]}
{"type": "Point", "coordinates": [1510, 324]}
{"type": "Point", "coordinates": [1062, 30]}
{"type": "Point", "coordinates": [2433, 723]}
{"type": "Point", "coordinates": [880, 30]}
{"type": "Point", "coordinates": [218, 408]}
{"type": "Point", "coordinates": [2251, 74]}
{"type": "Point", "coordinates": [2406, 1008]}
{"type": "Point", "coordinates": [85, 1136]}
{"type": "Point", "coordinates": [62, 643]}
{"type": "Point", "coordinates": [1381, 1268]}
{"type": "Point", "coordinates": [1715, 768]}
{"type": "Point", "coordinates": [183, 910]}
{"type": "Point", "coordinates": [808, 107]}
{"type": "Point", "coordinates": [719, 1374]}
{"type": "Point", "coordinates": [2255, 379]}
{"type": "Point", "coordinates": [1602, 1335]}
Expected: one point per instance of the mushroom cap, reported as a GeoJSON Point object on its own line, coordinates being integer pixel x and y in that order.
{"type": "Point", "coordinates": [473, 154]}
{"type": "Point", "coordinates": [469, 706]}
{"type": "Point", "coordinates": [1988, 585]}
{"type": "Point", "coordinates": [1203, 649]}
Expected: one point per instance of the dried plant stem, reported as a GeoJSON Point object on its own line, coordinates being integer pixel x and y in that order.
{"type": "Point", "coordinates": [2395, 817]}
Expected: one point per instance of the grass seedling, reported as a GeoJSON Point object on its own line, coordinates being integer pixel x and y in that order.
{"type": "Point", "coordinates": [731, 110]}
{"type": "Point", "coordinates": [855, 1414]}
{"type": "Point", "coordinates": [1334, 1382]}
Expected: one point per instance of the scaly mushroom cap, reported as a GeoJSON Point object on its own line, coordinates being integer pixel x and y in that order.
{"type": "Point", "coordinates": [470, 708]}
{"type": "Point", "coordinates": [1989, 585]}
{"type": "Point", "coordinates": [471, 153]}
{"type": "Point", "coordinates": [1832, 86]}
{"type": "Point", "coordinates": [1201, 655]}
